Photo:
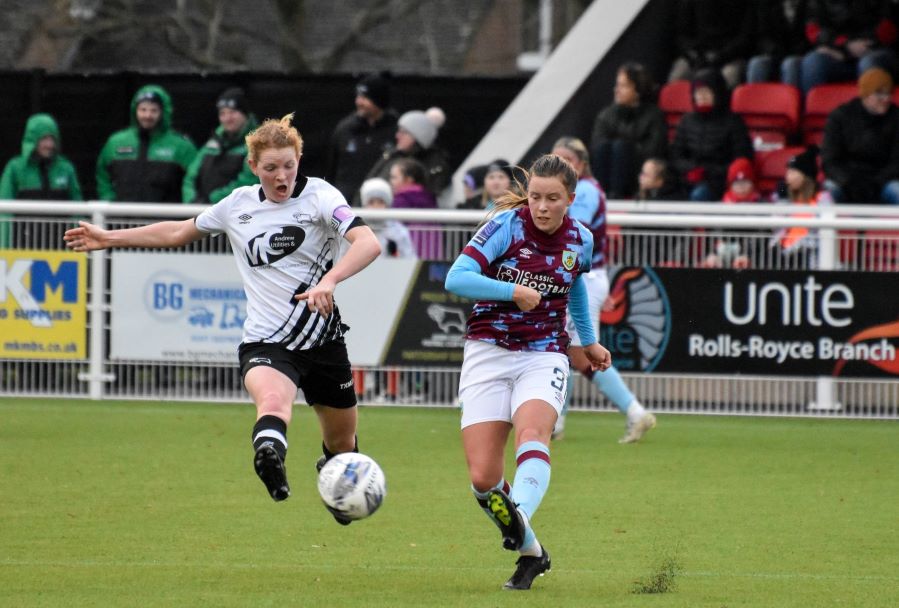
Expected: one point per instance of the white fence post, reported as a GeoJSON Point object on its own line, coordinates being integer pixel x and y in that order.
{"type": "Point", "coordinates": [97, 375]}
{"type": "Point", "coordinates": [827, 260]}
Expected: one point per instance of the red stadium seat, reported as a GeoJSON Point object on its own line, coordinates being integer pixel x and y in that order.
{"type": "Point", "coordinates": [771, 166]}
{"type": "Point", "coordinates": [769, 109]}
{"type": "Point", "coordinates": [819, 102]}
{"type": "Point", "coordinates": [675, 100]}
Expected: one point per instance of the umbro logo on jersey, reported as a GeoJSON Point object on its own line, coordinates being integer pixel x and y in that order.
{"type": "Point", "coordinates": [525, 252]}
{"type": "Point", "coordinates": [245, 218]}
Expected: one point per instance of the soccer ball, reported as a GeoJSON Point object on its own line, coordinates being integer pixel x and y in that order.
{"type": "Point", "coordinates": [352, 485]}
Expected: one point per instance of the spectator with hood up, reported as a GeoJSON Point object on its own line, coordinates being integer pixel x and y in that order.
{"type": "Point", "coordinates": [221, 164]}
{"type": "Point", "coordinates": [360, 139]}
{"type": "Point", "coordinates": [147, 161]}
{"type": "Point", "coordinates": [708, 139]}
{"type": "Point", "coordinates": [40, 172]}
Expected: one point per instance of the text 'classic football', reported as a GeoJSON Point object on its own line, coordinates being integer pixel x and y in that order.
{"type": "Point", "coordinates": [352, 484]}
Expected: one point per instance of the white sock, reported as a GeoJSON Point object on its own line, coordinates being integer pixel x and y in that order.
{"type": "Point", "coordinates": [635, 411]}
{"type": "Point", "coordinates": [533, 548]}
{"type": "Point", "coordinates": [560, 424]}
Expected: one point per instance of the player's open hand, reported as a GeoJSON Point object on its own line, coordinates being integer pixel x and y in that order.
{"type": "Point", "coordinates": [526, 298]}
{"type": "Point", "coordinates": [599, 356]}
{"type": "Point", "coordinates": [320, 298]}
{"type": "Point", "coordinates": [86, 237]}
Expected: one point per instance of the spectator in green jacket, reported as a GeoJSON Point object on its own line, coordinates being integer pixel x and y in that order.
{"type": "Point", "coordinates": [40, 172]}
{"type": "Point", "coordinates": [147, 161]}
{"type": "Point", "coordinates": [221, 165]}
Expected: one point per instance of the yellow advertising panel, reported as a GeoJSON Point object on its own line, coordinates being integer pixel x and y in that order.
{"type": "Point", "coordinates": [43, 304]}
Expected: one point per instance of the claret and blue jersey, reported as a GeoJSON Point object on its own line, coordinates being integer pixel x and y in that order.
{"type": "Point", "coordinates": [511, 249]}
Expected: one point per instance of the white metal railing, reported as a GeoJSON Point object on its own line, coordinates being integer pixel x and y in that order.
{"type": "Point", "coordinates": [850, 237]}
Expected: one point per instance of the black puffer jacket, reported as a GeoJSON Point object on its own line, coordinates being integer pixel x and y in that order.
{"type": "Point", "coordinates": [711, 140]}
{"type": "Point", "coordinates": [860, 151]}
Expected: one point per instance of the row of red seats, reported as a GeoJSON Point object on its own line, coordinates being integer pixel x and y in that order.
{"type": "Point", "coordinates": [772, 111]}
{"type": "Point", "coordinates": [774, 115]}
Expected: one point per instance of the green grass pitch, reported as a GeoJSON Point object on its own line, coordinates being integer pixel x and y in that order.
{"type": "Point", "coordinates": [156, 504]}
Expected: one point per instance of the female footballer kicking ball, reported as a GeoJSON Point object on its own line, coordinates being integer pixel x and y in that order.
{"type": "Point", "coordinates": [284, 233]}
{"type": "Point", "coordinates": [523, 268]}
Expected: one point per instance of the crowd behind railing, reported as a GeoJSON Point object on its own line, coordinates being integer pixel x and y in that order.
{"type": "Point", "coordinates": [718, 130]}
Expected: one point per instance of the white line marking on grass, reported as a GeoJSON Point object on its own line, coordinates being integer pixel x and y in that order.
{"type": "Point", "coordinates": [320, 566]}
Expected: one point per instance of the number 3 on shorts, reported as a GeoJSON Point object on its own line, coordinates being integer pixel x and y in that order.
{"type": "Point", "coordinates": [558, 382]}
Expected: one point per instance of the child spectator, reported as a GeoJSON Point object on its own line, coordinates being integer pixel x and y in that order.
{"type": "Point", "coordinates": [732, 252]}
{"type": "Point", "coordinates": [496, 181]}
{"type": "Point", "coordinates": [395, 240]}
{"type": "Point", "coordinates": [407, 179]}
{"type": "Point", "coordinates": [657, 183]}
{"type": "Point", "coordinates": [802, 188]}
{"type": "Point", "coordinates": [741, 186]}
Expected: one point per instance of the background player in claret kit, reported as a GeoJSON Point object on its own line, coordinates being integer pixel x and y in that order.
{"type": "Point", "coordinates": [589, 208]}
{"type": "Point", "coordinates": [522, 267]}
{"type": "Point", "coordinates": [284, 233]}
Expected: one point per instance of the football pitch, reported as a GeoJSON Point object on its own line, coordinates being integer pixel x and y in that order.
{"type": "Point", "coordinates": [156, 504]}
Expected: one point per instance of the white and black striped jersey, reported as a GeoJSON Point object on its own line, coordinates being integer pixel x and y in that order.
{"type": "Point", "coordinates": [283, 249]}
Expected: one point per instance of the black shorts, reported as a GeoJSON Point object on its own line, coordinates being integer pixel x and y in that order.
{"type": "Point", "coordinates": [323, 373]}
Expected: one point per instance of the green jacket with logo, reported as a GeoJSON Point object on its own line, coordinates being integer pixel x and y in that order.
{"type": "Point", "coordinates": [30, 177]}
{"type": "Point", "coordinates": [219, 167]}
{"type": "Point", "coordinates": [140, 166]}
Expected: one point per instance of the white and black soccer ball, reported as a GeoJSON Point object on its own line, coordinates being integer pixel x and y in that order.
{"type": "Point", "coordinates": [352, 484]}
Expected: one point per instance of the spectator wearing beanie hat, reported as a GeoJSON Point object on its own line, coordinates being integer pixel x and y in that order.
{"type": "Point", "coordinates": [860, 151]}
{"type": "Point", "coordinates": [415, 135]}
{"type": "Point", "coordinates": [741, 187]}
{"type": "Point", "coordinates": [733, 252]}
{"type": "Point", "coordinates": [361, 138]}
{"type": "Point", "coordinates": [221, 164]}
{"type": "Point", "coordinates": [495, 180]}
{"type": "Point", "coordinates": [801, 188]}
{"type": "Point", "coordinates": [394, 237]}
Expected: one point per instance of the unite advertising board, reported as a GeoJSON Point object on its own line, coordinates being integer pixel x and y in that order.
{"type": "Point", "coordinates": [796, 323]}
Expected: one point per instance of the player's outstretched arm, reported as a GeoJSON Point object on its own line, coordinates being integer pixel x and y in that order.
{"type": "Point", "coordinates": [89, 237]}
{"type": "Point", "coordinates": [364, 248]}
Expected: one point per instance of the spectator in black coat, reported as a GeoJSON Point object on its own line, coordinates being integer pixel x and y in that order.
{"type": "Point", "coordinates": [708, 139]}
{"type": "Point", "coordinates": [780, 41]}
{"type": "Point", "coordinates": [361, 138]}
{"type": "Point", "coordinates": [848, 36]}
{"type": "Point", "coordinates": [713, 34]}
{"type": "Point", "coordinates": [627, 132]}
{"type": "Point", "coordinates": [860, 151]}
